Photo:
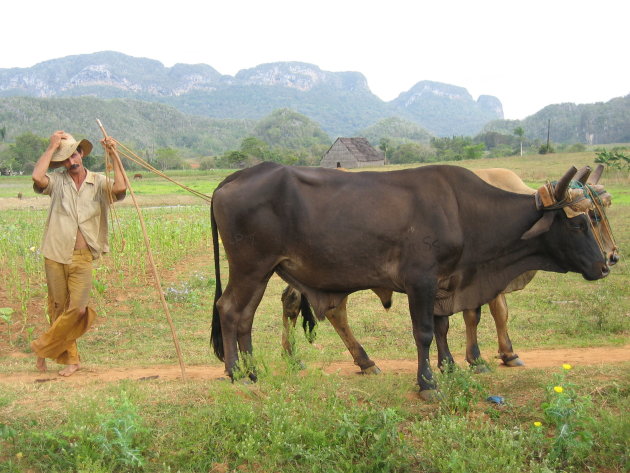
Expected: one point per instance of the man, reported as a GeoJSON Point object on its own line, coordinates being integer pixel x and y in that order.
{"type": "Point", "coordinates": [75, 235]}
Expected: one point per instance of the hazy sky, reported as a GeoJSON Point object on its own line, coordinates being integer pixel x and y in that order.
{"type": "Point", "coordinates": [529, 54]}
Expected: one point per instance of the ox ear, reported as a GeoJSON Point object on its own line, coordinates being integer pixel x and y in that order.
{"type": "Point", "coordinates": [541, 226]}
{"type": "Point", "coordinates": [594, 179]}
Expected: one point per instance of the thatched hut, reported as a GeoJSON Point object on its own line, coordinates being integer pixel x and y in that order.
{"type": "Point", "coordinates": [352, 153]}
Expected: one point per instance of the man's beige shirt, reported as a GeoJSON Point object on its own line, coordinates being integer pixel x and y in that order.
{"type": "Point", "coordinates": [71, 210]}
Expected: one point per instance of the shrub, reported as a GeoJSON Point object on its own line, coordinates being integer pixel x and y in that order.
{"type": "Point", "coordinates": [546, 149]}
{"type": "Point", "coordinates": [613, 159]}
{"type": "Point", "coordinates": [567, 414]}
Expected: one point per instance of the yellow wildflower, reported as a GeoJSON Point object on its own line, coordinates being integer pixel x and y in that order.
{"type": "Point", "coordinates": [567, 366]}
{"type": "Point", "coordinates": [558, 389]}
{"type": "Point", "coordinates": [537, 424]}
{"type": "Point", "coordinates": [32, 248]}
{"type": "Point", "coordinates": [19, 455]}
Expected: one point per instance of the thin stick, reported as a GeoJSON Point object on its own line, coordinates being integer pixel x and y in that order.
{"type": "Point", "coordinates": [156, 276]}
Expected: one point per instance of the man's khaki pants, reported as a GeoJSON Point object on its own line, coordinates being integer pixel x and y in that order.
{"type": "Point", "coordinates": [69, 288]}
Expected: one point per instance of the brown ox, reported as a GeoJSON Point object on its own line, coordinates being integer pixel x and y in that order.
{"type": "Point", "coordinates": [439, 234]}
{"type": "Point", "coordinates": [294, 303]}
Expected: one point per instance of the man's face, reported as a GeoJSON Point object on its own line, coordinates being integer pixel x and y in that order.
{"type": "Point", "coordinates": [74, 164]}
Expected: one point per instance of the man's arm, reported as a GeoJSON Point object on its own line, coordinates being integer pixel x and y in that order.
{"type": "Point", "coordinates": [39, 171]}
{"type": "Point", "coordinates": [119, 187]}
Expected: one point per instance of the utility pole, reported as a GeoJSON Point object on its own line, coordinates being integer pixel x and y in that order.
{"type": "Point", "coordinates": [548, 132]}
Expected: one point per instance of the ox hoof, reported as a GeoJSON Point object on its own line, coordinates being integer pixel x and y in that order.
{"type": "Point", "coordinates": [430, 395]}
{"type": "Point", "coordinates": [513, 362]}
{"type": "Point", "coordinates": [371, 370]}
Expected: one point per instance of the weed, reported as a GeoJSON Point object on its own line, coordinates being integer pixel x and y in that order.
{"type": "Point", "coordinates": [567, 413]}
{"type": "Point", "coordinates": [248, 367]}
{"type": "Point", "coordinates": [5, 315]}
{"type": "Point", "coordinates": [459, 389]}
{"type": "Point", "coordinates": [296, 426]}
{"type": "Point", "coordinates": [120, 435]}
{"type": "Point", "coordinates": [190, 291]}
{"type": "Point", "coordinates": [116, 443]}
{"type": "Point", "coordinates": [292, 357]}
{"type": "Point", "coordinates": [450, 444]}
{"type": "Point", "coordinates": [99, 286]}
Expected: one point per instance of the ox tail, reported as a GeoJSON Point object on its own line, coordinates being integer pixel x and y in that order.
{"type": "Point", "coordinates": [216, 336]}
{"type": "Point", "coordinates": [308, 319]}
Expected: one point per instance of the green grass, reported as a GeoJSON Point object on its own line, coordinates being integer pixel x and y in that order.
{"type": "Point", "coordinates": [301, 421]}
{"type": "Point", "coordinates": [313, 422]}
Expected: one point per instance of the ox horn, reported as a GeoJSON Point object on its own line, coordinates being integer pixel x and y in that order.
{"type": "Point", "coordinates": [594, 179]}
{"type": "Point", "coordinates": [563, 183]}
{"type": "Point", "coordinates": [583, 174]}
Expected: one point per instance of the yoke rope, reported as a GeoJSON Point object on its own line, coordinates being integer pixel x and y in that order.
{"type": "Point", "coordinates": [138, 160]}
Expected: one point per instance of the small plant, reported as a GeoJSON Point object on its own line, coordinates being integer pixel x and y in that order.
{"type": "Point", "coordinates": [120, 435]}
{"type": "Point", "coordinates": [5, 314]}
{"type": "Point", "coordinates": [292, 357]}
{"type": "Point", "coordinates": [99, 286]}
{"type": "Point", "coordinates": [248, 366]}
{"type": "Point", "coordinates": [189, 291]}
{"type": "Point", "coordinates": [181, 293]}
{"type": "Point", "coordinates": [459, 389]}
{"type": "Point", "coordinates": [568, 414]}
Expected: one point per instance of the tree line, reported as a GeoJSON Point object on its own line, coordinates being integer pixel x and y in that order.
{"type": "Point", "coordinates": [297, 142]}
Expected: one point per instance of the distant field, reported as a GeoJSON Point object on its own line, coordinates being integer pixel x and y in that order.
{"type": "Point", "coordinates": [533, 169]}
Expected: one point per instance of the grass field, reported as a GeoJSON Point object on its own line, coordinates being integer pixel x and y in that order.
{"type": "Point", "coordinates": [322, 419]}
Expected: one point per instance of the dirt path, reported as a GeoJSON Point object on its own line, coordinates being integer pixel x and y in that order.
{"type": "Point", "coordinates": [532, 358]}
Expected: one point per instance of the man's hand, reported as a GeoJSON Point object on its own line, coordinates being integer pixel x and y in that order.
{"type": "Point", "coordinates": [55, 140]}
{"type": "Point", "coordinates": [109, 143]}
{"type": "Point", "coordinates": [39, 171]}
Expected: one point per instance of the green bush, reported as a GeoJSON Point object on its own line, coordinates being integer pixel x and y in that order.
{"type": "Point", "coordinates": [113, 441]}
{"type": "Point", "coordinates": [567, 413]}
{"type": "Point", "coordinates": [613, 159]}
{"type": "Point", "coordinates": [275, 428]}
{"type": "Point", "coordinates": [459, 390]}
{"type": "Point", "coordinates": [460, 445]}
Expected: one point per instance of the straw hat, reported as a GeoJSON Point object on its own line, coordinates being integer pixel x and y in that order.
{"type": "Point", "coordinates": [67, 147]}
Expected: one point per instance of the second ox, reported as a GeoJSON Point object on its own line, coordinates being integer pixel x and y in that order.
{"type": "Point", "coordinates": [294, 303]}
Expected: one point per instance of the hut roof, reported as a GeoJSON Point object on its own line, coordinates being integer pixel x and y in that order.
{"type": "Point", "coordinates": [361, 149]}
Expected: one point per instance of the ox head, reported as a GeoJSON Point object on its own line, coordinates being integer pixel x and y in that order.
{"type": "Point", "coordinates": [574, 224]}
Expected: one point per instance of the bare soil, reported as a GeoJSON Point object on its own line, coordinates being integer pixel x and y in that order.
{"type": "Point", "coordinates": [90, 374]}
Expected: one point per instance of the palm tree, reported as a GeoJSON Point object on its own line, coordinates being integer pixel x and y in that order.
{"type": "Point", "coordinates": [518, 131]}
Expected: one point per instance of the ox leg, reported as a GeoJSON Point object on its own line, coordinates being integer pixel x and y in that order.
{"type": "Point", "coordinates": [440, 329]}
{"type": "Point", "coordinates": [338, 317]}
{"type": "Point", "coordinates": [473, 354]}
{"type": "Point", "coordinates": [236, 308]}
{"type": "Point", "coordinates": [499, 310]}
{"type": "Point", "coordinates": [291, 299]}
{"type": "Point", "coordinates": [421, 298]}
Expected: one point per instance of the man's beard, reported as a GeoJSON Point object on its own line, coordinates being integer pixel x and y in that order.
{"type": "Point", "coordinates": [74, 166]}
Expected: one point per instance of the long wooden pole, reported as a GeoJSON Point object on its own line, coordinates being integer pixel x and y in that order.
{"type": "Point", "coordinates": [156, 276]}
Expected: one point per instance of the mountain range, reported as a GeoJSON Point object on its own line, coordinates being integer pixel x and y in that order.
{"type": "Point", "coordinates": [197, 108]}
{"type": "Point", "coordinates": [340, 102]}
